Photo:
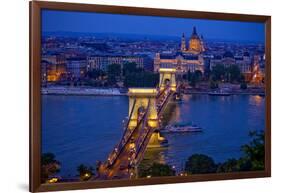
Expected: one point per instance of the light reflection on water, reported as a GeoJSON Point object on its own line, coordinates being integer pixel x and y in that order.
{"type": "Point", "coordinates": [83, 129]}
{"type": "Point", "coordinates": [226, 122]}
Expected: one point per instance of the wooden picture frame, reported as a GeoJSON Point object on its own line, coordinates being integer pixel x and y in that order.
{"type": "Point", "coordinates": [35, 96]}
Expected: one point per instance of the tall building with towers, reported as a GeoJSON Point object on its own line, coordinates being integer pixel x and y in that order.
{"type": "Point", "coordinates": [186, 58]}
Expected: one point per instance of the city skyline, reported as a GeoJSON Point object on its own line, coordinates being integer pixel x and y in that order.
{"type": "Point", "coordinates": [128, 97]}
{"type": "Point", "coordinates": [81, 22]}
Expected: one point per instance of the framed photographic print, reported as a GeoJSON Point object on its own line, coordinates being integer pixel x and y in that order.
{"type": "Point", "coordinates": [125, 96]}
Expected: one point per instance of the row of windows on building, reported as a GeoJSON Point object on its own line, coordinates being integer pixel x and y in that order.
{"type": "Point", "coordinates": [185, 64]}
{"type": "Point", "coordinates": [55, 67]}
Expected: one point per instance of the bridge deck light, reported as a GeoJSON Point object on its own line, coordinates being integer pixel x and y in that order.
{"type": "Point", "coordinates": [167, 70]}
{"type": "Point", "coordinates": [146, 91]}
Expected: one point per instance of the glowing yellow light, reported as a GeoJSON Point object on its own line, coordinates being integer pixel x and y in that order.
{"type": "Point", "coordinates": [153, 123]}
{"type": "Point", "coordinates": [133, 123]}
{"type": "Point", "coordinates": [167, 70]}
{"type": "Point", "coordinates": [148, 176]}
{"type": "Point", "coordinates": [142, 91]}
{"type": "Point", "coordinates": [132, 145]}
{"type": "Point", "coordinates": [53, 180]}
{"type": "Point", "coordinates": [87, 175]}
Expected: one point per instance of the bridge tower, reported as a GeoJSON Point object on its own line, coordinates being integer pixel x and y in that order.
{"type": "Point", "coordinates": [167, 78]}
{"type": "Point", "coordinates": [139, 100]}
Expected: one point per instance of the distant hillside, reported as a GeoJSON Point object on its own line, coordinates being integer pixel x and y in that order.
{"type": "Point", "coordinates": [127, 36]}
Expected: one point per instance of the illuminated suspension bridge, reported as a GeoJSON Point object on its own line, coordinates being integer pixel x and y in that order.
{"type": "Point", "coordinates": [141, 127]}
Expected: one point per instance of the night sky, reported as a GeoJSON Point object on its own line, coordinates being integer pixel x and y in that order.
{"type": "Point", "coordinates": [53, 21]}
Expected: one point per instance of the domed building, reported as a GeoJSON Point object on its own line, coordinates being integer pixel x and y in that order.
{"type": "Point", "coordinates": [185, 59]}
{"type": "Point", "coordinates": [195, 43]}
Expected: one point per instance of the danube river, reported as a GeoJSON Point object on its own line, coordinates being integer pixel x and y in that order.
{"type": "Point", "coordinates": [84, 129]}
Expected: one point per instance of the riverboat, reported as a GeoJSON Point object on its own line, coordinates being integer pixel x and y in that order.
{"type": "Point", "coordinates": [182, 127]}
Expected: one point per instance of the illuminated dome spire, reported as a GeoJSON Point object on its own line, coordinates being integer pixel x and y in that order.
{"type": "Point", "coordinates": [194, 31]}
{"type": "Point", "coordinates": [194, 34]}
{"type": "Point", "coordinates": [195, 44]}
{"type": "Point", "coordinates": [183, 46]}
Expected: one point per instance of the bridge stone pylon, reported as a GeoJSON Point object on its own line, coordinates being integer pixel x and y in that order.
{"type": "Point", "coordinates": [167, 78]}
{"type": "Point", "coordinates": [142, 98]}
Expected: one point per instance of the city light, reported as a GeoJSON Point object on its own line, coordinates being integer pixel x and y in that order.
{"type": "Point", "coordinates": [142, 91]}
{"type": "Point", "coordinates": [167, 70]}
{"type": "Point", "coordinates": [53, 180]}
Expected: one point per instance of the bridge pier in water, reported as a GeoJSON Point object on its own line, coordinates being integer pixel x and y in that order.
{"type": "Point", "coordinates": [139, 100]}
{"type": "Point", "coordinates": [167, 78]}
{"type": "Point", "coordinates": [141, 130]}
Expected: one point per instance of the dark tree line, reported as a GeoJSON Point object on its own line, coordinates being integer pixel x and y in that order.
{"type": "Point", "coordinates": [141, 79]}
{"type": "Point", "coordinates": [252, 159]}
{"type": "Point", "coordinates": [137, 77]}
{"type": "Point", "coordinates": [193, 77]}
{"type": "Point", "coordinates": [49, 166]}
{"type": "Point", "coordinates": [219, 73]}
{"type": "Point", "coordinates": [85, 172]}
{"type": "Point", "coordinates": [157, 170]}
{"type": "Point", "coordinates": [228, 74]}
{"type": "Point", "coordinates": [130, 74]}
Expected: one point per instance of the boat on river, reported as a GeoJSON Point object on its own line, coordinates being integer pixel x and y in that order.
{"type": "Point", "coordinates": [182, 127]}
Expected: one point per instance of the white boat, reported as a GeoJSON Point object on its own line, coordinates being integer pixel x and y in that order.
{"type": "Point", "coordinates": [182, 127]}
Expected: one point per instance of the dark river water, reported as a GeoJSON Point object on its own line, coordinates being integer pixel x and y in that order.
{"type": "Point", "coordinates": [84, 129]}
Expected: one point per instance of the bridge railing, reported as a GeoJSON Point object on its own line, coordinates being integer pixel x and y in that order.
{"type": "Point", "coordinates": [163, 100]}
{"type": "Point", "coordinates": [124, 140]}
{"type": "Point", "coordinates": [144, 130]}
{"type": "Point", "coordinates": [142, 146]}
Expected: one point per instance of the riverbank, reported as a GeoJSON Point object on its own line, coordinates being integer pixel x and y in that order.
{"type": "Point", "coordinates": [82, 91]}
{"type": "Point", "coordinates": [63, 90]}
{"type": "Point", "coordinates": [230, 93]}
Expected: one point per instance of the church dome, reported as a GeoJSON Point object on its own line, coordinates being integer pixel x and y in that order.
{"type": "Point", "coordinates": [195, 42]}
{"type": "Point", "coordinates": [194, 34]}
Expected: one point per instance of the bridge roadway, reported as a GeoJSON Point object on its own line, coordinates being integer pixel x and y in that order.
{"type": "Point", "coordinates": [131, 148]}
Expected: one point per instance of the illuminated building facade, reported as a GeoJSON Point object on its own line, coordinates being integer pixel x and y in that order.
{"type": "Point", "coordinates": [257, 73]}
{"type": "Point", "coordinates": [53, 68]}
{"type": "Point", "coordinates": [185, 59]}
{"type": "Point", "coordinates": [76, 67]}
{"type": "Point", "coordinates": [248, 66]}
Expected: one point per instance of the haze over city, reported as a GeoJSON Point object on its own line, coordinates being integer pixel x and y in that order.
{"type": "Point", "coordinates": [66, 21]}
